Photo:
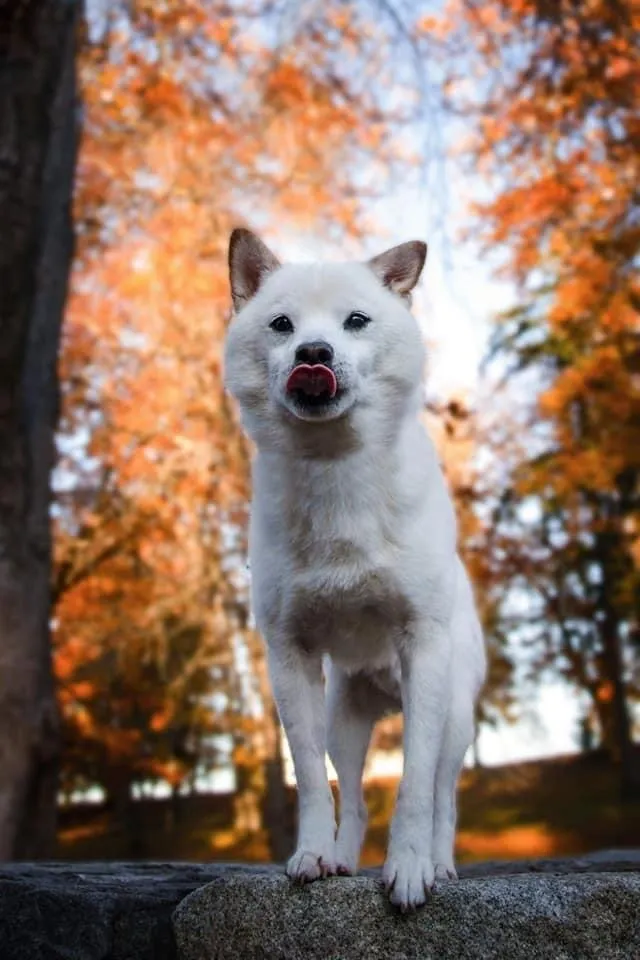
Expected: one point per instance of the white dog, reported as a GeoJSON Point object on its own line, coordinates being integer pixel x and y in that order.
{"type": "Point", "coordinates": [353, 551]}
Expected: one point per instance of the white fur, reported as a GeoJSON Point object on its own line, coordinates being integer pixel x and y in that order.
{"type": "Point", "coordinates": [353, 559]}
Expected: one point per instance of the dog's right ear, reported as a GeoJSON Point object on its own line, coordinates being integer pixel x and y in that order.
{"type": "Point", "coordinates": [250, 262]}
{"type": "Point", "coordinates": [399, 269]}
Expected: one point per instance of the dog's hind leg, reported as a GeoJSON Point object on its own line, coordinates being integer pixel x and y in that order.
{"type": "Point", "coordinates": [353, 706]}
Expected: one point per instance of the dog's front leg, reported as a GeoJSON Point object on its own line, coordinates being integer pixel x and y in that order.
{"type": "Point", "coordinates": [408, 872]}
{"type": "Point", "coordinates": [296, 679]}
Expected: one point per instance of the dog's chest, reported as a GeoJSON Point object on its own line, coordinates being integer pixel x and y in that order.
{"type": "Point", "coordinates": [329, 553]}
{"type": "Point", "coordinates": [344, 596]}
{"type": "Point", "coordinates": [358, 624]}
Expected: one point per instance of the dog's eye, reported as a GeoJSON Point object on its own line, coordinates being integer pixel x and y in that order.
{"type": "Point", "coordinates": [281, 324]}
{"type": "Point", "coordinates": [356, 320]}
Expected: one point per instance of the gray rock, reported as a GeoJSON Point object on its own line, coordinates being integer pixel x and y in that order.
{"type": "Point", "coordinates": [95, 911]}
{"type": "Point", "coordinates": [583, 908]}
{"type": "Point", "coordinates": [554, 916]}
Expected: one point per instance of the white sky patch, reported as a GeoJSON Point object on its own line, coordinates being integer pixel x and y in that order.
{"type": "Point", "coordinates": [549, 730]}
{"type": "Point", "coordinates": [97, 16]}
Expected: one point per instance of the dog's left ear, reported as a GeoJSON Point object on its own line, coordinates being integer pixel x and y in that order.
{"type": "Point", "coordinates": [399, 269]}
{"type": "Point", "coordinates": [250, 262]}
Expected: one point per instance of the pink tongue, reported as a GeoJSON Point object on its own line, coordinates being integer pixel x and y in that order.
{"type": "Point", "coordinates": [313, 380]}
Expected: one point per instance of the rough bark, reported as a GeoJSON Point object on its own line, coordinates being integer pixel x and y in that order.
{"type": "Point", "coordinates": [38, 145]}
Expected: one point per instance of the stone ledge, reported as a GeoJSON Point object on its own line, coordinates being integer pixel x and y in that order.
{"type": "Point", "coordinates": [492, 918]}
{"type": "Point", "coordinates": [582, 908]}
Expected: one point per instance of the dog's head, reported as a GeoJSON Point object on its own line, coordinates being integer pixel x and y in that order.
{"type": "Point", "coordinates": [320, 342]}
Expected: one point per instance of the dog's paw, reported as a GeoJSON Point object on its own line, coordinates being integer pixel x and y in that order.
{"type": "Point", "coordinates": [445, 871]}
{"type": "Point", "coordinates": [308, 865]}
{"type": "Point", "coordinates": [408, 878]}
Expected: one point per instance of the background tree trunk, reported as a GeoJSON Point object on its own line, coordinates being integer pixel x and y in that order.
{"type": "Point", "coordinates": [613, 708]}
{"type": "Point", "coordinates": [276, 808]}
{"type": "Point", "coordinates": [38, 146]}
{"type": "Point", "coordinates": [613, 712]}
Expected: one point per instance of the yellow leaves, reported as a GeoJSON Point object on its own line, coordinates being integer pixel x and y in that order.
{"type": "Point", "coordinates": [220, 31]}
{"type": "Point", "coordinates": [339, 19]}
{"type": "Point", "coordinates": [601, 370]}
{"type": "Point", "coordinates": [569, 472]}
{"type": "Point", "coordinates": [286, 86]}
{"type": "Point", "coordinates": [160, 720]}
{"type": "Point", "coordinates": [68, 655]}
{"type": "Point", "coordinates": [619, 316]}
{"type": "Point", "coordinates": [620, 67]}
{"type": "Point", "coordinates": [435, 27]}
{"type": "Point", "coordinates": [605, 692]}
{"type": "Point", "coordinates": [191, 124]}
{"type": "Point", "coordinates": [82, 690]}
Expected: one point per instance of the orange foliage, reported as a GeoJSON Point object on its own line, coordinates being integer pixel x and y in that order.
{"type": "Point", "coordinates": [193, 122]}
{"type": "Point", "coordinates": [552, 126]}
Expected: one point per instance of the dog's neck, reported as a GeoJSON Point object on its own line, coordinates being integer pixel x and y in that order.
{"type": "Point", "coordinates": [307, 465]}
{"type": "Point", "coordinates": [369, 485]}
{"type": "Point", "coordinates": [363, 431]}
{"type": "Point", "coordinates": [324, 442]}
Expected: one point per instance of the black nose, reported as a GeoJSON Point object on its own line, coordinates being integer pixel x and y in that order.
{"type": "Point", "coordinates": [316, 351]}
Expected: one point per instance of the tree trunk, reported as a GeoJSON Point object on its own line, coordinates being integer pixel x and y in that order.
{"type": "Point", "coordinates": [276, 813]}
{"type": "Point", "coordinates": [38, 145]}
{"type": "Point", "coordinates": [614, 715]}
{"type": "Point", "coordinates": [124, 811]}
{"type": "Point", "coordinates": [612, 707]}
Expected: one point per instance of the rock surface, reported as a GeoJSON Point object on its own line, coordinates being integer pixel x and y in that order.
{"type": "Point", "coordinates": [506, 918]}
{"type": "Point", "coordinates": [95, 911]}
{"type": "Point", "coordinates": [580, 908]}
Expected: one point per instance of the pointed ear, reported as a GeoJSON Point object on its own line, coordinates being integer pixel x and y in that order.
{"type": "Point", "coordinates": [250, 262]}
{"type": "Point", "coordinates": [399, 269]}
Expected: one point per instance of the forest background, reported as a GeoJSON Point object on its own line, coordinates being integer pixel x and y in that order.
{"type": "Point", "coordinates": [135, 711]}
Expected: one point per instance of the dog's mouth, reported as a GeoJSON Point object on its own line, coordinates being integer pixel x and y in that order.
{"type": "Point", "coordinates": [312, 386]}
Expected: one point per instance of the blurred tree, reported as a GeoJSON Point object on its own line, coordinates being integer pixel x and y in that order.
{"type": "Point", "coordinates": [198, 115]}
{"type": "Point", "coordinates": [142, 646]}
{"type": "Point", "coordinates": [38, 134]}
{"type": "Point", "coordinates": [552, 123]}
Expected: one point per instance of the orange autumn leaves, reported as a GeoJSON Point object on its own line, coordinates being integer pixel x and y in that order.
{"type": "Point", "coordinates": [552, 128]}
{"type": "Point", "coordinates": [554, 131]}
{"type": "Point", "coordinates": [197, 116]}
